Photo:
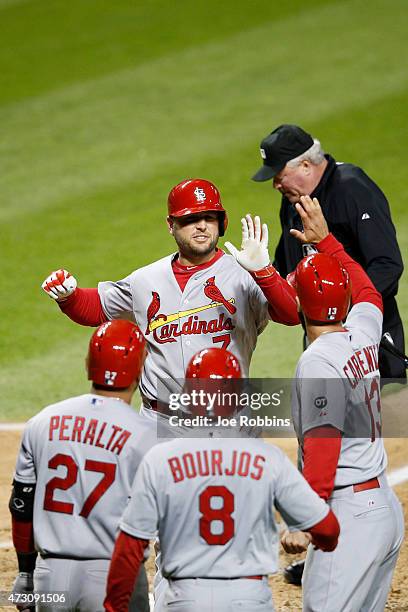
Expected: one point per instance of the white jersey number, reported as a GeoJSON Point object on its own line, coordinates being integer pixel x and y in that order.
{"type": "Point", "coordinates": [52, 505]}
{"type": "Point", "coordinates": [222, 515]}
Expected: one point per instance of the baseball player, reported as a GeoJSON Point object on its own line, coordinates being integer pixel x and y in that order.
{"type": "Point", "coordinates": [74, 472]}
{"type": "Point", "coordinates": [192, 299]}
{"type": "Point", "coordinates": [336, 413]}
{"type": "Point", "coordinates": [211, 502]}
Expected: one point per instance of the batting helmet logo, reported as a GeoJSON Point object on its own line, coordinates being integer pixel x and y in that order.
{"type": "Point", "coordinates": [194, 196]}
{"type": "Point", "coordinates": [116, 354]}
{"type": "Point", "coordinates": [323, 288]}
{"type": "Point", "coordinates": [200, 194]}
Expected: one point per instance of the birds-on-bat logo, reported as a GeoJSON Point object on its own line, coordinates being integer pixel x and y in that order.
{"type": "Point", "coordinates": [211, 291]}
{"type": "Point", "coordinates": [152, 311]}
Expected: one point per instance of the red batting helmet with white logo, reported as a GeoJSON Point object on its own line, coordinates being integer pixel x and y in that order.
{"type": "Point", "coordinates": [116, 354]}
{"type": "Point", "coordinates": [323, 287]}
{"type": "Point", "coordinates": [194, 196]}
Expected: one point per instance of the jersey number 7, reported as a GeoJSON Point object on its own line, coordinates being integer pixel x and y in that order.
{"type": "Point", "coordinates": [52, 505]}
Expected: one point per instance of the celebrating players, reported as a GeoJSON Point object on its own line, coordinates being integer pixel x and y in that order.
{"type": "Point", "coordinates": [192, 299]}
{"type": "Point", "coordinates": [210, 500]}
{"type": "Point", "coordinates": [74, 472]}
{"type": "Point", "coordinates": [336, 414]}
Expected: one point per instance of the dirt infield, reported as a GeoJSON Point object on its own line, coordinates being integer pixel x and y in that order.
{"type": "Point", "coordinates": [286, 597]}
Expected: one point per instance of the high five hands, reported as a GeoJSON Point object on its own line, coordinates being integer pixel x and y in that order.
{"type": "Point", "coordinates": [314, 224]}
{"type": "Point", "coordinates": [254, 254]}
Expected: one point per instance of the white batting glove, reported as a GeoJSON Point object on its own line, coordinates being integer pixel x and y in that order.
{"type": "Point", "coordinates": [59, 285]}
{"type": "Point", "coordinates": [254, 254]}
{"type": "Point", "coordinates": [23, 584]}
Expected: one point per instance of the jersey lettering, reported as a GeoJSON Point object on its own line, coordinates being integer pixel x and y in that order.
{"type": "Point", "coordinates": [361, 363]}
{"type": "Point", "coordinates": [68, 428]}
{"type": "Point", "coordinates": [211, 462]}
{"type": "Point", "coordinates": [171, 331]}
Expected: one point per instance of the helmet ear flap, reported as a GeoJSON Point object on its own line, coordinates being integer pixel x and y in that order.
{"type": "Point", "coordinates": [222, 223]}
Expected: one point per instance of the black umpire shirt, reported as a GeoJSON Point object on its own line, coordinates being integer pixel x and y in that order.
{"type": "Point", "coordinates": [358, 214]}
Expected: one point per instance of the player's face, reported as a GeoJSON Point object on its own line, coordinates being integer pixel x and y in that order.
{"type": "Point", "coordinates": [196, 235]}
{"type": "Point", "coordinates": [294, 182]}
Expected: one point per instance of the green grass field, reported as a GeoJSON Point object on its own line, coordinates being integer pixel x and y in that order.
{"type": "Point", "coordinates": [104, 106]}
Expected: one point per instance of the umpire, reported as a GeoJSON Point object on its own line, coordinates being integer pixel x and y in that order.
{"type": "Point", "coordinates": [357, 213]}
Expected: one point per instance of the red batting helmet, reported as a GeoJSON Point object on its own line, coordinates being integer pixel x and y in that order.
{"type": "Point", "coordinates": [196, 196]}
{"type": "Point", "coordinates": [323, 288]}
{"type": "Point", "coordinates": [213, 370]}
{"type": "Point", "coordinates": [116, 354]}
{"type": "Point", "coordinates": [214, 363]}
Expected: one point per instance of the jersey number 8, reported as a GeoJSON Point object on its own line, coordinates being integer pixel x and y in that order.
{"type": "Point", "coordinates": [223, 515]}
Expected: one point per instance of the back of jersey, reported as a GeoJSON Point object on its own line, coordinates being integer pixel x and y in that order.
{"type": "Point", "coordinates": [338, 384]}
{"type": "Point", "coordinates": [213, 502]}
{"type": "Point", "coordinates": [83, 454]}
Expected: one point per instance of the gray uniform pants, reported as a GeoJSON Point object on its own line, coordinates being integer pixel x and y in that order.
{"type": "Point", "coordinates": [207, 595]}
{"type": "Point", "coordinates": [84, 585]}
{"type": "Point", "coordinates": [356, 576]}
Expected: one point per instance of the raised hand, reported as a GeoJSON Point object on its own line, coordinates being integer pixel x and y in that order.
{"type": "Point", "coordinates": [314, 224]}
{"type": "Point", "coordinates": [59, 285]}
{"type": "Point", "coordinates": [254, 254]}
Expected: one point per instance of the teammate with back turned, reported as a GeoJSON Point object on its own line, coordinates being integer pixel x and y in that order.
{"type": "Point", "coordinates": [73, 477]}
{"type": "Point", "coordinates": [336, 414]}
{"type": "Point", "coordinates": [194, 298]}
{"type": "Point", "coordinates": [211, 501]}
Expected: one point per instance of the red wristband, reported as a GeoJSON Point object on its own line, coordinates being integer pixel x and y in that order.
{"type": "Point", "coordinates": [265, 272]}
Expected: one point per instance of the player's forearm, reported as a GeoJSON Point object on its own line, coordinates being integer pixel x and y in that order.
{"type": "Point", "coordinates": [321, 451]}
{"type": "Point", "coordinates": [127, 557]}
{"type": "Point", "coordinates": [362, 289]}
{"type": "Point", "coordinates": [84, 307]}
{"type": "Point", "coordinates": [22, 535]}
{"type": "Point", "coordinates": [280, 295]}
{"type": "Point", "coordinates": [325, 534]}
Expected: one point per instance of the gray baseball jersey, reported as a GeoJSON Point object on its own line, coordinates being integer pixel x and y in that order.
{"type": "Point", "coordinates": [337, 383]}
{"type": "Point", "coordinates": [83, 454]}
{"type": "Point", "coordinates": [221, 306]}
{"type": "Point", "coordinates": [211, 503]}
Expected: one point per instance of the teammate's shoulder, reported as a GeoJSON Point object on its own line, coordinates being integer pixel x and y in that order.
{"type": "Point", "coordinates": [367, 318]}
{"type": "Point", "coordinates": [364, 309]}
{"type": "Point", "coordinates": [161, 449]}
{"type": "Point", "coordinates": [57, 408]}
{"type": "Point", "coordinates": [317, 357]}
{"type": "Point", "coordinates": [273, 454]}
{"type": "Point", "coordinates": [154, 266]}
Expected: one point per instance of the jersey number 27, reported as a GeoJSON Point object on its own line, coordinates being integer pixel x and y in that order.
{"type": "Point", "coordinates": [52, 505]}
